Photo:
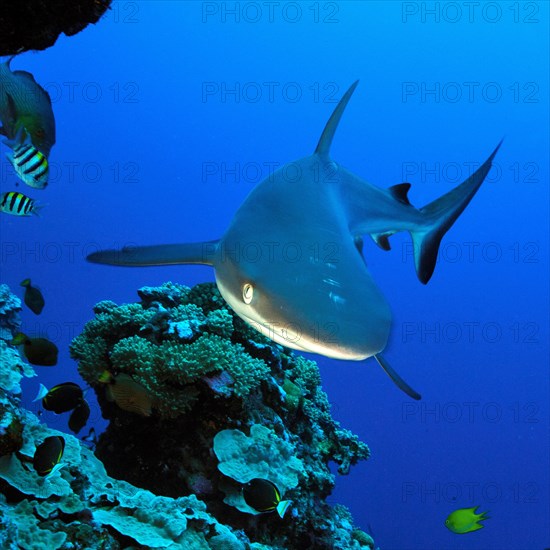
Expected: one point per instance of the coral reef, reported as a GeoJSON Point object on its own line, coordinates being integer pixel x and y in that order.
{"type": "Point", "coordinates": [10, 308]}
{"type": "Point", "coordinates": [36, 24]}
{"type": "Point", "coordinates": [262, 455]}
{"type": "Point", "coordinates": [227, 405]}
{"type": "Point", "coordinates": [217, 385]}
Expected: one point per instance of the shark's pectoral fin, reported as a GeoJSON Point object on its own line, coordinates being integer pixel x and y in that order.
{"type": "Point", "coordinates": [397, 380]}
{"type": "Point", "coordinates": [440, 216]}
{"type": "Point", "coordinates": [164, 254]}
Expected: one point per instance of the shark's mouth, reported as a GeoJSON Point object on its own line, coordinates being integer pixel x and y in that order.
{"type": "Point", "coordinates": [290, 337]}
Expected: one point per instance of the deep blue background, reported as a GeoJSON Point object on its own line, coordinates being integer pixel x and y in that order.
{"type": "Point", "coordinates": [136, 132]}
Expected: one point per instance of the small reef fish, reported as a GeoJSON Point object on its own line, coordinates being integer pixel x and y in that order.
{"type": "Point", "coordinates": [61, 398]}
{"type": "Point", "coordinates": [28, 162]}
{"type": "Point", "coordinates": [79, 417]}
{"type": "Point", "coordinates": [263, 496]}
{"type": "Point", "coordinates": [33, 297]}
{"type": "Point", "coordinates": [38, 351]}
{"type": "Point", "coordinates": [18, 204]}
{"type": "Point", "coordinates": [48, 455]}
{"type": "Point", "coordinates": [30, 108]}
{"type": "Point", "coordinates": [64, 398]}
{"type": "Point", "coordinates": [127, 393]}
{"type": "Point", "coordinates": [465, 520]}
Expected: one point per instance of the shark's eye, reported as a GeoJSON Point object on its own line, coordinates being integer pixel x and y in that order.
{"type": "Point", "coordinates": [248, 293]}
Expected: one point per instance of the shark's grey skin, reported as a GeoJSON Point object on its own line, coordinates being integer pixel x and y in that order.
{"type": "Point", "coordinates": [290, 263]}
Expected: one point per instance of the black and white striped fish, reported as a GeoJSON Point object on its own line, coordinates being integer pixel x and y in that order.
{"type": "Point", "coordinates": [18, 204]}
{"type": "Point", "coordinates": [28, 162]}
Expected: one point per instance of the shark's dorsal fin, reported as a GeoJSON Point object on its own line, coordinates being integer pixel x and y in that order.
{"type": "Point", "coordinates": [323, 147]}
{"type": "Point", "coordinates": [399, 192]}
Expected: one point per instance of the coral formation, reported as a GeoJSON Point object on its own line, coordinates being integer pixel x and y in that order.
{"type": "Point", "coordinates": [36, 24]}
{"type": "Point", "coordinates": [10, 308]}
{"type": "Point", "coordinates": [262, 455]}
{"type": "Point", "coordinates": [227, 406]}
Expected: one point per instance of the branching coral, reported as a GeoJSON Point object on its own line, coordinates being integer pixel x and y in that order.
{"type": "Point", "coordinates": [215, 383]}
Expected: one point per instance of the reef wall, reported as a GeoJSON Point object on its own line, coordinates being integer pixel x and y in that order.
{"type": "Point", "coordinates": [198, 405]}
{"type": "Point", "coordinates": [36, 24]}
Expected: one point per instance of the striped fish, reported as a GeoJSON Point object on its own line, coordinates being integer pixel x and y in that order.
{"type": "Point", "coordinates": [18, 204]}
{"type": "Point", "coordinates": [28, 162]}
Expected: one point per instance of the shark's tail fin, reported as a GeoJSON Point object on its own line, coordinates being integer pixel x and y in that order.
{"type": "Point", "coordinates": [440, 216]}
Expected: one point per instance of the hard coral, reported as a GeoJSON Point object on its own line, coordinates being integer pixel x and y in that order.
{"type": "Point", "coordinates": [10, 307]}
{"type": "Point", "coordinates": [216, 384]}
{"type": "Point", "coordinates": [212, 378]}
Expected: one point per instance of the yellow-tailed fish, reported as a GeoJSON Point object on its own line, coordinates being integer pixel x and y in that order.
{"type": "Point", "coordinates": [64, 398]}
{"type": "Point", "coordinates": [61, 398]}
{"type": "Point", "coordinates": [129, 395]}
{"type": "Point", "coordinates": [47, 456]}
{"type": "Point", "coordinates": [465, 520]}
{"type": "Point", "coordinates": [18, 204]}
{"type": "Point", "coordinates": [31, 108]}
{"type": "Point", "coordinates": [263, 496]}
{"type": "Point", "coordinates": [33, 297]}
{"type": "Point", "coordinates": [29, 163]}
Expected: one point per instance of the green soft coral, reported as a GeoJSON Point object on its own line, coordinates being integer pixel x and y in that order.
{"type": "Point", "coordinates": [92, 356]}
{"type": "Point", "coordinates": [207, 297]}
{"type": "Point", "coordinates": [306, 374]}
{"type": "Point", "coordinates": [220, 322]}
{"type": "Point", "coordinates": [133, 354]}
{"type": "Point", "coordinates": [121, 320]}
{"type": "Point", "coordinates": [169, 369]}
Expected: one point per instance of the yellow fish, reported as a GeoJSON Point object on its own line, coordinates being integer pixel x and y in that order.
{"type": "Point", "coordinates": [465, 520]}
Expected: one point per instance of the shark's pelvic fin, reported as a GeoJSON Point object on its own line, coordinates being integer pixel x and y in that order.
{"type": "Point", "coordinates": [323, 147]}
{"type": "Point", "coordinates": [440, 216]}
{"type": "Point", "coordinates": [397, 380]}
{"type": "Point", "coordinates": [163, 254]}
{"type": "Point", "coordinates": [382, 240]}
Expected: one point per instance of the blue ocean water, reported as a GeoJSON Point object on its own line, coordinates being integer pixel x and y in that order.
{"type": "Point", "coordinates": [170, 112]}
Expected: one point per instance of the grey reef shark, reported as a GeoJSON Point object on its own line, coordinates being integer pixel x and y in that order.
{"type": "Point", "coordinates": [291, 264]}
